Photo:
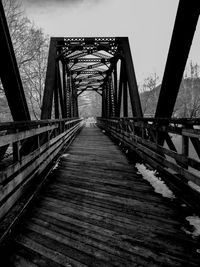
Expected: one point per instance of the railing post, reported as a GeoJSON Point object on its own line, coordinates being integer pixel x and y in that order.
{"type": "Point", "coordinates": [185, 145]}
{"type": "Point", "coordinates": [16, 151]}
{"type": "Point", "coordinates": [185, 148]}
{"type": "Point", "coordinates": [38, 138]}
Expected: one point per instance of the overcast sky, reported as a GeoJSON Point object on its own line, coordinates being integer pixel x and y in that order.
{"type": "Point", "coordinates": [147, 23]}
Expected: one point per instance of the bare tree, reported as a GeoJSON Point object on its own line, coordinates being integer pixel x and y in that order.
{"type": "Point", "coordinates": [30, 46]}
{"type": "Point", "coordinates": [33, 76]}
{"type": "Point", "coordinates": [188, 100]}
{"type": "Point", "coordinates": [149, 93]}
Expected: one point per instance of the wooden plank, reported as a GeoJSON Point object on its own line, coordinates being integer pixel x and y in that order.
{"type": "Point", "coordinates": [127, 243]}
{"type": "Point", "coordinates": [11, 138]}
{"type": "Point", "coordinates": [60, 139]}
{"type": "Point", "coordinates": [97, 207]}
{"type": "Point", "coordinates": [20, 261]}
{"type": "Point", "coordinates": [121, 217]}
{"type": "Point", "coordinates": [22, 176]}
{"type": "Point", "coordinates": [4, 126]}
{"type": "Point", "coordinates": [16, 186]}
{"type": "Point", "coordinates": [179, 157]}
{"type": "Point", "coordinates": [97, 238]}
{"type": "Point", "coordinates": [191, 133]}
{"type": "Point", "coordinates": [29, 258]}
{"type": "Point", "coordinates": [102, 235]}
{"type": "Point", "coordinates": [46, 252]}
{"type": "Point", "coordinates": [188, 175]}
{"type": "Point", "coordinates": [91, 215]}
{"type": "Point", "coordinates": [83, 244]}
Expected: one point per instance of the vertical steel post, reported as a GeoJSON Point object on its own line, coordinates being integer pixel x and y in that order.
{"type": "Point", "coordinates": [111, 94]}
{"type": "Point", "coordinates": [125, 99]}
{"type": "Point", "coordinates": [60, 90]}
{"type": "Point", "coordinates": [103, 106]}
{"type": "Point", "coordinates": [68, 103]}
{"type": "Point", "coordinates": [64, 89]}
{"type": "Point", "coordinates": [73, 98]}
{"type": "Point", "coordinates": [119, 98]}
{"type": "Point", "coordinates": [49, 82]}
{"type": "Point", "coordinates": [75, 101]}
{"type": "Point", "coordinates": [56, 100]}
{"type": "Point", "coordinates": [131, 78]}
{"type": "Point", "coordinates": [115, 88]}
{"type": "Point", "coordinates": [107, 100]}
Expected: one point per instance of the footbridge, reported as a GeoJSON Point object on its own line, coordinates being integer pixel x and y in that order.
{"type": "Point", "coordinates": [83, 194]}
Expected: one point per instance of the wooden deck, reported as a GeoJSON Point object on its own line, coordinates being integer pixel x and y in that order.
{"type": "Point", "coordinates": [97, 210]}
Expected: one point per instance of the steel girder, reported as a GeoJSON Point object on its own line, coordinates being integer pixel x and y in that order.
{"type": "Point", "coordinates": [10, 77]}
{"type": "Point", "coordinates": [184, 29]}
{"type": "Point", "coordinates": [9, 74]}
{"type": "Point", "coordinates": [182, 36]}
{"type": "Point", "coordinates": [89, 64]}
{"type": "Point", "coordinates": [131, 78]}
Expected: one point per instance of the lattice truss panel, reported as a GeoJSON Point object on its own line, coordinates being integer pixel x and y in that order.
{"type": "Point", "coordinates": [88, 61]}
{"type": "Point", "coordinates": [76, 65]}
{"type": "Point", "coordinates": [100, 64]}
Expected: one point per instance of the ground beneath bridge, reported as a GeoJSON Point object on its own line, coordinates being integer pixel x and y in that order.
{"type": "Point", "coordinates": [97, 210]}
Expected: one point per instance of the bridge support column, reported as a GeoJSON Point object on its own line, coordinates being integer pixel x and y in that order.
{"type": "Point", "coordinates": [115, 88]}
{"type": "Point", "coordinates": [111, 96]}
{"type": "Point", "coordinates": [64, 88]}
{"type": "Point", "coordinates": [56, 101]}
{"type": "Point", "coordinates": [131, 78]}
{"type": "Point", "coordinates": [107, 100]}
{"type": "Point", "coordinates": [125, 97]}
{"type": "Point", "coordinates": [119, 97]}
{"type": "Point", "coordinates": [49, 82]}
{"type": "Point", "coordinates": [68, 100]}
{"type": "Point", "coordinates": [103, 103]}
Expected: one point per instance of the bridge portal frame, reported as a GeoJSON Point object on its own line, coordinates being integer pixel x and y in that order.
{"type": "Point", "coordinates": [79, 64]}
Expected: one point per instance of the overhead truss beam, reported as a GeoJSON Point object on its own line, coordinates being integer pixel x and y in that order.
{"type": "Point", "coordinates": [89, 64]}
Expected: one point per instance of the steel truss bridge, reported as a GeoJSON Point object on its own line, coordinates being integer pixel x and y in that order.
{"type": "Point", "coordinates": [94, 208]}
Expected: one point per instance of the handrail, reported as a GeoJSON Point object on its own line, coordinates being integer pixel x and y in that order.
{"type": "Point", "coordinates": [23, 124]}
{"type": "Point", "coordinates": [33, 146]}
{"type": "Point", "coordinates": [189, 121]}
{"type": "Point", "coordinates": [142, 136]}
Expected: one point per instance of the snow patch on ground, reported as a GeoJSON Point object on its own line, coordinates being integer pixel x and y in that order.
{"type": "Point", "coordinates": [56, 166]}
{"type": "Point", "coordinates": [195, 222]}
{"type": "Point", "coordinates": [64, 156]}
{"type": "Point", "coordinates": [194, 186]}
{"type": "Point", "coordinates": [159, 186]}
{"type": "Point", "coordinates": [184, 205]}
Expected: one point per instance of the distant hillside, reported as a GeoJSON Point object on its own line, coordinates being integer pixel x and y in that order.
{"type": "Point", "coordinates": [187, 103]}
